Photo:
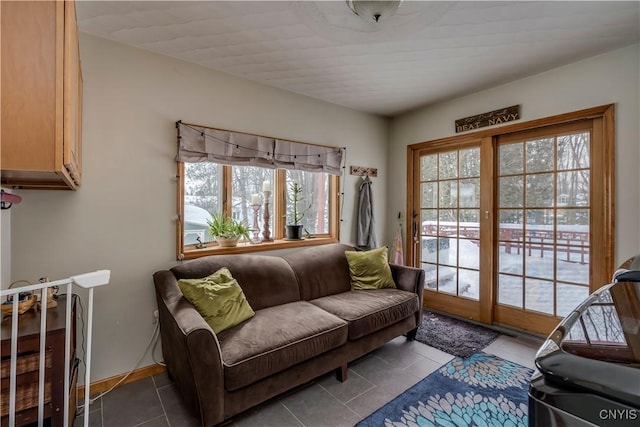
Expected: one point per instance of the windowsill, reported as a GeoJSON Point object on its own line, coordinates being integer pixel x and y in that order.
{"type": "Point", "coordinates": [259, 247]}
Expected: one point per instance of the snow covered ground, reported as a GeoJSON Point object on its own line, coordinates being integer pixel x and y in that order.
{"type": "Point", "coordinates": [537, 267]}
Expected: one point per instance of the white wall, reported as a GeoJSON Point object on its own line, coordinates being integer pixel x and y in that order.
{"type": "Point", "coordinates": [611, 78]}
{"type": "Point", "coordinates": [121, 218]}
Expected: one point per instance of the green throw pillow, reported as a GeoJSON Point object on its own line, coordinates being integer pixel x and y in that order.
{"type": "Point", "coordinates": [218, 298]}
{"type": "Point", "coordinates": [370, 269]}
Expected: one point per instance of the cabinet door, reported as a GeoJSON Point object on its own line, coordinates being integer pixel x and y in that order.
{"type": "Point", "coordinates": [40, 96]}
{"type": "Point", "coordinates": [32, 94]}
{"type": "Point", "coordinates": [72, 94]}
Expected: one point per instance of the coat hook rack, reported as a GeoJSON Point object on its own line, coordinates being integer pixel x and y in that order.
{"type": "Point", "coordinates": [363, 171]}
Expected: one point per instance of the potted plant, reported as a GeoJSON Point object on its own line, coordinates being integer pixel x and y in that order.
{"type": "Point", "coordinates": [226, 230]}
{"type": "Point", "coordinates": [294, 227]}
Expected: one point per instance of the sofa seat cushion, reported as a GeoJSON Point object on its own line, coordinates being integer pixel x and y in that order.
{"type": "Point", "coordinates": [370, 310]}
{"type": "Point", "coordinates": [275, 339]}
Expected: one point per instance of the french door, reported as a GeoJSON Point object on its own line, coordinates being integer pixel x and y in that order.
{"type": "Point", "coordinates": [447, 235]}
{"type": "Point", "coordinates": [516, 228]}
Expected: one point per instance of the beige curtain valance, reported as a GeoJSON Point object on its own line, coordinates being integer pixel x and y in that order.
{"type": "Point", "coordinates": [201, 144]}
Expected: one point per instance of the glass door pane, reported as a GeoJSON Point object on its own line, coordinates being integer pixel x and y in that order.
{"type": "Point", "coordinates": [543, 223]}
{"type": "Point", "coordinates": [450, 214]}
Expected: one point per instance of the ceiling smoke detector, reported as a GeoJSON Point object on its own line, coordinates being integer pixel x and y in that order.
{"type": "Point", "coordinates": [373, 11]}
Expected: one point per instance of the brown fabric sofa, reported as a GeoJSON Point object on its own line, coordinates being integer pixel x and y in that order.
{"type": "Point", "coordinates": [308, 322]}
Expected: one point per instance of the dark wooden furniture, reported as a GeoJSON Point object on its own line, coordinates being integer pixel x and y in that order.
{"type": "Point", "coordinates": [28, 366]}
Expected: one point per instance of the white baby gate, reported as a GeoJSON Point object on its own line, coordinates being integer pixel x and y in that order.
{"type": "Point", "coordinates": [86, 281]}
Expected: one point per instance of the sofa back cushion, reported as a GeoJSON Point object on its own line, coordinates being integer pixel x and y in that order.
{"type": "Point", "coordinates": [265, 280]}
{"type": "Point", "coordinates": [321, 270]}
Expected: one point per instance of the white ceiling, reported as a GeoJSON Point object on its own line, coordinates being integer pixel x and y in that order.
{"type": "Point", "coordinates": [427, 52]}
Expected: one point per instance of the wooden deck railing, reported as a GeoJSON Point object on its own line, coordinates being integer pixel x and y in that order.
{"type": "Point", "coordinates": [568, 239]}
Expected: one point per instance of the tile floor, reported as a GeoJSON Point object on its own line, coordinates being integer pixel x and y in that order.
{"type": "Point", "coordinates": [372, 381]}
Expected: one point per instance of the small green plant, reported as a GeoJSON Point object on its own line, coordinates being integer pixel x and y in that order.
{"type": "Point", "coordinates": [295, 191]}
{"type": "Point", "coordinates": [226, 227]}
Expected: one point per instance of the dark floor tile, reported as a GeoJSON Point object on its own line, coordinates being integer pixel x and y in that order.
{"type": "Point", "coordinates": [422, 368]}
{"type": "Point", "coordinates": [431, 353]}
{"type": "Point", "coordinates": [390, 379]}
{"type": "Point", "coordinates": [272, 413]}
{"type": "Point", "coordinates": [160, 421]}
{"type": "Point", "coordinates": [177, 412]}
{"type": "Point", "coordinates": [398, 354]}
{"type": "Point", "coordinates": [370, 401]}
{"type": "Point", "coordinates": [162, 379]}
{"type": "Point", "coordinates": [360, 360]}
{"type": "Point", "coordinates": [131, 404]}
{"type": "Point", "coordinates": [314, 406]}
{"type": "Point", "coordinates": [95, 419]}
{"type": "Point", "coordinates": [95, 405]}
{"type": "Point", "coordinates": [354, 386]}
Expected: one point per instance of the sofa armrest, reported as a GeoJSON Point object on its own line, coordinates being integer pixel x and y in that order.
{"type": "Point", "coordinates": [410, 279]}
{"type": "Point", "coordinates": [191, 351]}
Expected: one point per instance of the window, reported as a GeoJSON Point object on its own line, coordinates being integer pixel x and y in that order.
{"type": "Point", "coordinates": [315, 205]}
{"type": "Point", "coordinates": [246, 181]}
{"type": "Point", "coordinates": [202, 196]}
{"type": "Point", "coordinates": [215, 186]}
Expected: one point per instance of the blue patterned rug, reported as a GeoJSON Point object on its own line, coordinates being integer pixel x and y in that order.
{"type": "Point", "coordinates": [481, 390]}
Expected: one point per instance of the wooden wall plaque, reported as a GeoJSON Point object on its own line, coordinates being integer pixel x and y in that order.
{"type": "Point", "coordinates": [363, 171]}
{"type": "Point", "coordinates": [491, 118]}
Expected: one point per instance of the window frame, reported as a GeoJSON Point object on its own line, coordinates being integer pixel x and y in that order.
{"type": "Point", "coordinates": [276, 223]}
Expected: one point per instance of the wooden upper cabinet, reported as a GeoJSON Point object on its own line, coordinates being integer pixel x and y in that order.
{"type": "Point", "coordinates": [41, 95]}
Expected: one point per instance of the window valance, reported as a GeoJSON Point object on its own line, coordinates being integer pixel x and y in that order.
{"type": "Point", "coordinates": [202, 144]}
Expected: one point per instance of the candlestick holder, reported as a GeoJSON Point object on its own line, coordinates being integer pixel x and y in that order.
{"type": "Point", "coordinates": [266, 233]}
{"type": "Point", "coordinates": [256, 227]}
